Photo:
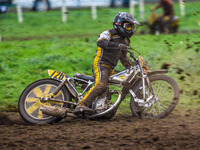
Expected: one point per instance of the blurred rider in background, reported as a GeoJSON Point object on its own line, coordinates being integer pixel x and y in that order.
{"type": "Point", "coordinates": [112, 46]}
{"type": "Point", "coordinates": [168, 13]}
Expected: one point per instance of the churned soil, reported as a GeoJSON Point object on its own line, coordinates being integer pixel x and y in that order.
{"type": "Point", "coordinates": [180, 130]}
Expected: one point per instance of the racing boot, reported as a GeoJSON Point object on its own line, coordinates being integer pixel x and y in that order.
{"type": "Point", "coordinates": [82, 109]}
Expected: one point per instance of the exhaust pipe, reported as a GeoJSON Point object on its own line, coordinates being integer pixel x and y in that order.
{"type": "Point", "coordinates": [55, 111]}
{"type": "Point", "coordinates": [64, 112]}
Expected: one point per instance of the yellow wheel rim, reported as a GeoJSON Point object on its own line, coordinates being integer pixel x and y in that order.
{"type": "Point", "coordinates": [33, 103]}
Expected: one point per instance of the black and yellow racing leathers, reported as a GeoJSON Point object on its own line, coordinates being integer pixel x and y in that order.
{"type": "Point", "coordinates": [107, 56]}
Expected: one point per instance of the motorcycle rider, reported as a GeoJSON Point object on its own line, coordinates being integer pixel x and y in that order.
{"type": "Point", "coordinates": [112, 47]}
{"type": "Point", "coordinates": [168, 13]}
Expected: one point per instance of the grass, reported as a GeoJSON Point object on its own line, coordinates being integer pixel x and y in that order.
{"type": "Point", "coordinates": [22, 62]}
{"type": "Point", "coordinates": [80, 22]}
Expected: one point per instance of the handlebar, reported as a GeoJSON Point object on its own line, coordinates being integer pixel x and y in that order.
{"type": "Point", "coordinates": [131, 53]}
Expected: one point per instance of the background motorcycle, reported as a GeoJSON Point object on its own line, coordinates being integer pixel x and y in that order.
{"type": "Point", "coordinates": [50, 100]}
{"type": "Point", "coordinates": [156, 26]}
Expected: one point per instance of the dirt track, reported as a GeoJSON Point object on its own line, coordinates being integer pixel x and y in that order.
{"type": "Point", "coordinates": [180, 130]}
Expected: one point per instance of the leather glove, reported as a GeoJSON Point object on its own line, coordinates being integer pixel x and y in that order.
{"type": "Point", "coordinates": [123, 47]}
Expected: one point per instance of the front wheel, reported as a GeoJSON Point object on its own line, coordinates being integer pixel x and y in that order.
{"type": "Point", "coordinates": [29, 103]}
{"type": "Point", "coordinates": [166, 92]}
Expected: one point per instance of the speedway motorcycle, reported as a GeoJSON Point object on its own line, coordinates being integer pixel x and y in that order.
{"type": "Point", "coordinates": [152, 94]}
{"type": "Point", "coordinates": [156, 26]}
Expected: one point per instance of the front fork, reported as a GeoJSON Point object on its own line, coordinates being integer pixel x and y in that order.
{"type": "Point", "coordinates": [148, 96]}
{"type": "Point", "coordinates": [149, 88]}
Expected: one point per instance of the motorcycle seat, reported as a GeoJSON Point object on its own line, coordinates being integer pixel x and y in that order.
{"type": "Point", "coordinates": [84, 77]}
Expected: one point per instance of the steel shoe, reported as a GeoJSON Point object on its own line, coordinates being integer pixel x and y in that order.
{"type": "Point", "coordinates": [83, 110]}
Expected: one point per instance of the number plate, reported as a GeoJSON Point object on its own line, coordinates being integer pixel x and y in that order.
{"type": "Point", "coordinates": [56, 75]}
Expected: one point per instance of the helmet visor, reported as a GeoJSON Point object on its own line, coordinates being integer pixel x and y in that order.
{"type": "Point", "coordinates": [129, 26]}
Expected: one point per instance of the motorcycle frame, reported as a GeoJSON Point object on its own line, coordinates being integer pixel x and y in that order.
{"type": "Point", "coordinates": [137, 69]}
{"type": "Point", "coordinates": [133, 72]}
{"type": "Point", "coordinates": [80, 95]}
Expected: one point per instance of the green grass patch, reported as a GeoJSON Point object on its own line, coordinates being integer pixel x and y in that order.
{"type": "Point", "coordinates": [21, 63]}
{"type": "Point", "coordinates": [80, 22]}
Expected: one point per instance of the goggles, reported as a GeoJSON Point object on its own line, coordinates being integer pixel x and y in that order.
{"type": "Point", "coordinates": [129, 26]}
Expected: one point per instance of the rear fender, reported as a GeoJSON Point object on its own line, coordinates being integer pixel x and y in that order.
{"type": "Point", "coordinates": [152, 73]}
{"type": "Point", "coordinates": [60, 76]}
{"type": "Point", "coordinates": [57, 75]}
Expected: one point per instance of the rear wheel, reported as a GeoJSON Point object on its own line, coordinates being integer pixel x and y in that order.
{"type": "Point", "coordinates": [167, 95]}
{"type": "Point", "coordinates": [29, 103]}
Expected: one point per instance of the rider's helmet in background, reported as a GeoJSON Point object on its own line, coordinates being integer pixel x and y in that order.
{"type": "Point", "coordinates": [125, 24]}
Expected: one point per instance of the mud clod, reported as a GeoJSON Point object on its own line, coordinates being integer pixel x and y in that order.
{"type": "Point", "coordinates": [166, 42]}
{"type": "Point", "coordinates": [188, 74]}
{"type": "Point", "coordinates": [195, 92]}
{"type": "Point", "coordinates": [197, 50]}
{"type": "Point", "coordinates": [182, 78]}
{"type": "Point", "coordinates": [189, 46]}
{"type": "Point", "coordinates": [196, 43]}
{"type": "Point", "coordinates": [179, 70]}
{"type": "Point", "coordinates": [165, 66]}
